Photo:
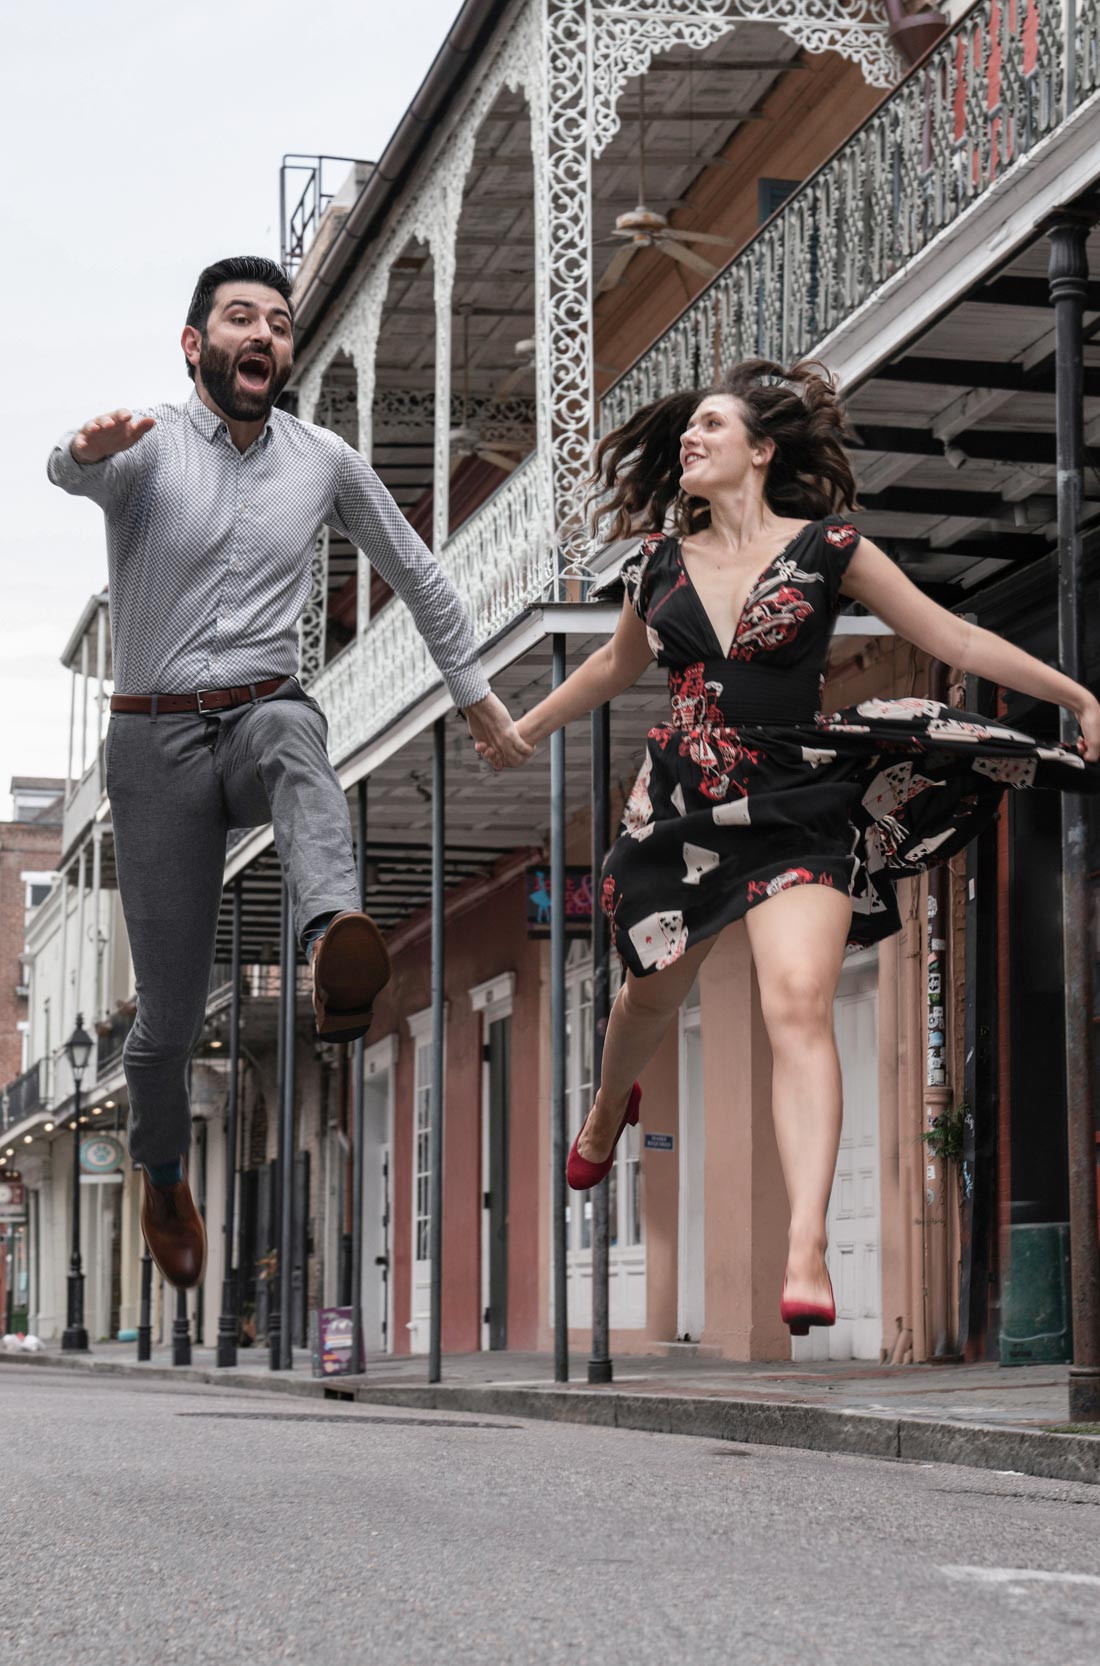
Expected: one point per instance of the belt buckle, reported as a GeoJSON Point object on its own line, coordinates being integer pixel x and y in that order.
{"type": "Point", "coordinates": [200, 694]}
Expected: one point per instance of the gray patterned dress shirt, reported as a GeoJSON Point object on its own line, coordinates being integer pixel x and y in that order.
{"type": "Point", "coordinates": [210, 551]}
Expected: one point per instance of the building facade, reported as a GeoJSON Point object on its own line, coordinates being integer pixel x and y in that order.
{"type": "Point", "coordinates": [473, 311]}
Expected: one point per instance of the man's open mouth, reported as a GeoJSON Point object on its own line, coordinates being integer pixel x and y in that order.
{"type": "Point", "coordinates": [255, 372]}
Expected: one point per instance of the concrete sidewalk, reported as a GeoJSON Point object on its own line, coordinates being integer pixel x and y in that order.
{"type": "Point", "coordinates": [983, 1415]}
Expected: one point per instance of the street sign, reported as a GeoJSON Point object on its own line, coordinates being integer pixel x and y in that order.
{"type": "Point", "coordinates": [660, 1142]}
{"type": "Point", "coordinates": [578, 901]}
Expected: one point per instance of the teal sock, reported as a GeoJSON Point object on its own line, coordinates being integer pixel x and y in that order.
{"type": "Point", "coordinates": [165, 1174]}
{"type": "Point", "coordinates": [316, 929]}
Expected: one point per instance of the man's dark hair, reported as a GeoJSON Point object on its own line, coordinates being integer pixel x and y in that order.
{"type": "Point", "coordinates": [236, 269]}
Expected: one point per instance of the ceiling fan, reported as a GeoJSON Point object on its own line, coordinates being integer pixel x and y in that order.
{"type": "Point", "coordinates": [525, 366]}
{"type": "Point", "coordinates": [465, 440]}
{"type": "Point", "coordinates": [644, 228]}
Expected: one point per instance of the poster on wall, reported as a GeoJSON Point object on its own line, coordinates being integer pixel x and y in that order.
{"type": "Point", "coordinates": [578, 901]}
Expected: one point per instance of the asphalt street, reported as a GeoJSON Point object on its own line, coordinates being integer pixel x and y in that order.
{"type": "Point", "coordinates": [146, 1523]}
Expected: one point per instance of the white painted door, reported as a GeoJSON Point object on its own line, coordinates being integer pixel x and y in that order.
{"type": "Point", "coordinates": [854, 1220]}
{"type": "Point", "coordinates": [377, 1112]}
{"type": "Point", "coordinates": [690, 1309]}
{"type": "Point", "coordinates": [421, 1307]}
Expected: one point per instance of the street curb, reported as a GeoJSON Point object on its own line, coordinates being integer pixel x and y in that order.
{"type": "Point", "coordinates": [909, 1439]}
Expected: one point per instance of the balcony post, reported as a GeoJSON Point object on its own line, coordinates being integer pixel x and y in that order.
{"type": "Point", "coordinates": [1068, 276]}
{"type": "Point", "coordinates": [286, 1142]}
{"type": "Point", "coordinates": [227, 1321]}
{"type": "Point", "coordinates": [435, 1179]}
{"type": "Point", "coordinates": [81, 918]}
{"type": "Point", "coordinates": [599, 1363]}
{"type": "Point", "coordinates": [563, 254]}
{"type": "Point", "coordinates": [558, 1131]}
{"type": "Point", "coordinates": [98, 939]}
{"type": "Point", "coordinates": [357, 1051]}
{"type": "Point", "coordinates": [443, 266]}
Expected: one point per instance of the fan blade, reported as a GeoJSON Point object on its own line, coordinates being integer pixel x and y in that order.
{"type": "Point", "coordinates": [703, 237]}
{"type": "Point", "coordinates": [616, 267]}
{"type": "Point", "coordinates": [512, 380]}
{"type": "Point", "coordinates": [488, 455]}
{"type": "Point", "coordinates": [687, 257]}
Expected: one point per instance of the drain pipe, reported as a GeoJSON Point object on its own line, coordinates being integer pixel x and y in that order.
{"type": "Point", "coordinates": [937, 1086]}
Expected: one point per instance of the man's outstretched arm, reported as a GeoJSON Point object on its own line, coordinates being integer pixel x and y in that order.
{"type": "Point", "coordinates": [371, 519]}
{"type": "Point", "coordinates": [103, 459]}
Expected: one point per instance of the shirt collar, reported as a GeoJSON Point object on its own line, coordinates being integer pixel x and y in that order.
{"type": "Point", "coordinates": [210, 425]}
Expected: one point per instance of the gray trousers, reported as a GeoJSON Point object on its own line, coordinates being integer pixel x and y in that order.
{"type": "Point", "coordinates": [177, 784]}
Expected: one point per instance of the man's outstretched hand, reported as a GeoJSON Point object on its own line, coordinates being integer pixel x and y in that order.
{"type": "Point", "coordinates": [495, 735]}
{"type": "Point", "coordinates": [106, 435]}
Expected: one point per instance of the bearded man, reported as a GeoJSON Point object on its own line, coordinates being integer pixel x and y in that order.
{"type": "Point", "coordinates": [212, 508]}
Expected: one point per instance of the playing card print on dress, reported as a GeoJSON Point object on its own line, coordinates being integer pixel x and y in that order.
{"type": "Point", "coordinates": [751, 790]}
{"type": "Point", "coordinates": [698, 862]}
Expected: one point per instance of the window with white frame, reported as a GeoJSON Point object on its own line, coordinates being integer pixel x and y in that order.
{"type": "Point", "coordinates": [624, 1192]}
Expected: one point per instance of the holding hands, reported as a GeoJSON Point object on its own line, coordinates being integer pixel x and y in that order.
{"type": "Point", "coordinates": [106, 435]}
{"type": "Point", "coordinates": [496, 738]}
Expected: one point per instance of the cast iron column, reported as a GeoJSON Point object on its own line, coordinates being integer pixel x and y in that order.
{"type": "Point", "coordinates": [286, 1148]}
{"type": "Point", "coordinates": [145, 1319]}
{"type": "Point", "coordinates": [181, 1332]}
{"type": "Point", "coordinates": [599, 1364]}
{"type": "Point", "coordinates": [558, 1143]}
{"type": "Point", "coordinates": [357, 1052]}
{"type": "Point", "coordinates": [75, 1338]}
{"type": "Point", "coordinates": [227, 1320]}
{"type": "Point", "coordinates": [435, 1178]}
{"type": "Point", "coordinates": [1068, 274]}
{"type": "Point", "coordinates": [274, 1305]}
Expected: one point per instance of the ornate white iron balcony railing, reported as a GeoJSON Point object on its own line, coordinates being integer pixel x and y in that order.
{"type": "Point", "coordinates": [501, 560]}
{"type": "Point", "coordinates": [994, 86]}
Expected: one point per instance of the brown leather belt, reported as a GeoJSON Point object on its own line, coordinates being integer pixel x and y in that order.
{"type": "Point", "coordinates": [203, 701]}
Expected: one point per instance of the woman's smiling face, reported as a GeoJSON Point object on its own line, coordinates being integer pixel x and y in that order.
{"type": "Point", "coordinates": [716, 452]}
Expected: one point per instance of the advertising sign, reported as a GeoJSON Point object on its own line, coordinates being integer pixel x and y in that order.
{"type": "Point", "coordinates": [578, 901]}
{"type": "Point", "coordinates": [330, 1342]}
{"type": "Point", "coordinates": [13, 1202]}
{"type": "Point", "coordinates": [101, 1154]}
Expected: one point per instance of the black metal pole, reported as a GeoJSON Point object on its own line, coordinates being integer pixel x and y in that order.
{"type": "Point", "coordinates": [1068, 275]}
{"type": "Point", "coordinates": [599, 1365]}
{"type": "Point", "coordinates": [145, 1320]}
{"type": "Point", "coordinates": [227, 1319]}
{"type": "Point", "coordinates": [286, 1146]}
{"type": "Point", "coordinates": [557, 1027]}
{"type": "Point", "coordinates": [74, 1339]}
{"type": "Point", "coordinates": [274, 1306]}
{"type": "Point", "coordinates": [181, 1332]}
{"type": "Point", "coordinates": [435, 1182]}
{"type": "Point", "coordinates": [357, 1052]}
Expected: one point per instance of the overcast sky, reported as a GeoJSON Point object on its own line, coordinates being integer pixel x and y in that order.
{"type": "Point", "coordinates": [142, 142]}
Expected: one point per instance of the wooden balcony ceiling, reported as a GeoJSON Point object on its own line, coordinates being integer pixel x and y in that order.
{"type": "Point", "coordinates": [694, 104]}
{"type": "Point", "coordinates": [958, 477]}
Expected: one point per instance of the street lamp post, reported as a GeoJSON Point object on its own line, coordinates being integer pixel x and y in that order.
{"type": "Point", "coordinates": [78, 1050]}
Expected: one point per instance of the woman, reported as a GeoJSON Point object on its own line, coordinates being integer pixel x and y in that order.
{"type": "Point", "coordinates": [751, 803]}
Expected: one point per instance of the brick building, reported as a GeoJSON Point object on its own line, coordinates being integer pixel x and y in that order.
{"type": "Point", "coordinates": [30, 845]}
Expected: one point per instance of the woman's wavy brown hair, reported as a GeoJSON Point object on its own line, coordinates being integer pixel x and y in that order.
{"type": "Point", "coordinates": [636, 480]}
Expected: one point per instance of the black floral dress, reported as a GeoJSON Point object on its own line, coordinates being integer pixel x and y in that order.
{"type": "Point", "coordinates": [750, 788]}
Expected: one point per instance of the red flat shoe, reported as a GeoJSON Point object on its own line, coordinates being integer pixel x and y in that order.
{"type": "Point", "coordinates": [799, 1316]}
{"type": "Point", "coordinates": [579, 1172]}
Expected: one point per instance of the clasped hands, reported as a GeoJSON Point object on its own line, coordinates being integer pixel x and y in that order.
{"type": "Point", "coordinates": [496, 737]}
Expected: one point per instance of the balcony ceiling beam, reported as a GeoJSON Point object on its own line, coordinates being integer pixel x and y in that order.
{"type": "Point", "coordinates": [985, 445]}
{"type": "Point", "coordinates": [1014, 291]}
{"type": "Point", "coordinates": [982, 373]}
{"type": "Point", "coordinates": [936, 502]}
{"type": "Point", "coordinates": [1019, 548]}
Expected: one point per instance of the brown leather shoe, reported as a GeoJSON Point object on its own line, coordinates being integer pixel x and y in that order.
{"type": "Point", "coordinates": [174, 1231]}
{"type": "Point", "coordinates": [351, 966]}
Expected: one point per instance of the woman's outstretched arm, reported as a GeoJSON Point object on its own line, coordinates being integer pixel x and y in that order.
{"type": "Point", "coordinates": [874, 580]}
{"type": "Point", "coordinates": [615, 666]}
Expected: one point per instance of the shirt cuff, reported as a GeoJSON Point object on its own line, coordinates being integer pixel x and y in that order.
{"type": "Point", "coordinates": [64, 470]}
{"type": "Point", "coordinates": [468, 685]}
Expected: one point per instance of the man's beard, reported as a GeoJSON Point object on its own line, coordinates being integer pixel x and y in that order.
{"type": "Point", "coordinates": [219, 375]}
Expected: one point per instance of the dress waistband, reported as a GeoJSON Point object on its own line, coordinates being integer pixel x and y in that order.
{"type": "Point", "coordinates": [730, 692]}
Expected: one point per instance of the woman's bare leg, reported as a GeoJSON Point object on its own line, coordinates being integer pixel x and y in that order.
{"type": "Point", "coordinates": [797, 940]}
{"type": "Point", "coordinates": [643, 1010]}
